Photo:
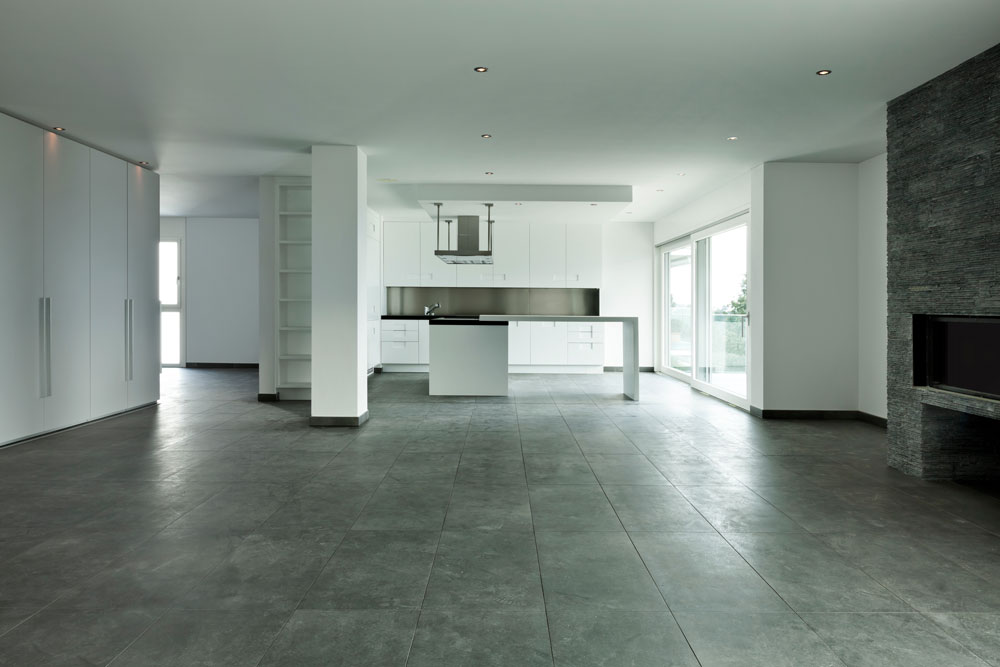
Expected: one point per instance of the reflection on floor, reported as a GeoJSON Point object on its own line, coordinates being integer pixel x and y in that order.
{"type": "Point", "coordinates": [561, 526]}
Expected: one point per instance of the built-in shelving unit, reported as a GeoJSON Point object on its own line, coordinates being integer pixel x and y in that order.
{"type": "Point", "coordinates": [294, 290]}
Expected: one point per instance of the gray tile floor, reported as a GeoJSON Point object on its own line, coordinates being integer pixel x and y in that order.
{"type": "Point", "coordinates": [561, 526]}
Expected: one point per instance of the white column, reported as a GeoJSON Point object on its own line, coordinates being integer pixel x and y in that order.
{"type": "Point", "coordinates": [339, 340]}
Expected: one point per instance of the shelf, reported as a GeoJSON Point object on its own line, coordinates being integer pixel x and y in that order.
{"type": "Point", "coordinates": [295, 242]}
{"type": "Point", "coordinates": [300, 271]}
{"type": "Point", "coordinates": [294, 212]}
{"type": "Point", "coordinates": [295, 385]}
{"type": "Point", "coordinates": [295, 357]}
{"type": "Point", "coordinates": [295, 328]}
{"type": "Point", "coordinates": [295, 300]}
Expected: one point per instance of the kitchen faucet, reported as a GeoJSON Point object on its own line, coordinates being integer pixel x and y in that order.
{"type": "Point", "coordinates": [429, 310]}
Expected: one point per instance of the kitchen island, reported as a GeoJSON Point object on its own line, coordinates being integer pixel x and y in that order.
{"type": "Point", "coordinates": [468, 357]}
{"type": "Point", "coordinates": [630, 341]}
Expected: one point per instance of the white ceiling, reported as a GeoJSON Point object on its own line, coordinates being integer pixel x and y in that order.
{"type": "Point", "coordinates": [588, 92]}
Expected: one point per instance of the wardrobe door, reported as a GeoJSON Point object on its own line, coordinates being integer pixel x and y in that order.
{"type": "Point", "coordinates": [143, 354]}
{"type": "Point", "coordinates": [108, 278]}
{"type": "Point", "coordinates": [66, 260]}
{"type": "Point", "coordinates": [20, 280]}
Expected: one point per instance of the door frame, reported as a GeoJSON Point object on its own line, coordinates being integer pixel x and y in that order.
{"type": "Point", "coordinates": [179, 306]}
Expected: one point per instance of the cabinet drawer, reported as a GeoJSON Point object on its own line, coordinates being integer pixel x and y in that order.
{"type": "Point", "coordinates": [399, 352]}
{"type": "Point", "coordinates": [396, 335]}
{"type": "Point", "coordinates": [592, 332]}
{"type": "Point", "coordinates": [400, 325]}
{"type": "Point", "coordinates": [585, 354]}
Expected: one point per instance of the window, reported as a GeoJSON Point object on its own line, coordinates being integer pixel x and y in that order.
{"type": "Point", "coordinates": [171, 332]}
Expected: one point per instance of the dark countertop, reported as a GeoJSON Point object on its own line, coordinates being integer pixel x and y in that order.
{"type": "Point", "coordinates": [467, 321]}
{"type": "Point", "coordinates": [408, 317]}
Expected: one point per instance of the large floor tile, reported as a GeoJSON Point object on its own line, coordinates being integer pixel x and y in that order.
{"type": "Point", "coordinates": [890, 640]}
{"type": "Point", "coordinates": [321, 638]}
{"type": "Point", "coordinates": [489, 507]}
{"type": "Point", "coordinates": [595, 570]}
{"type": "Point", "coordinates": [754, 640]}
{"type": "Point", "coordinates": [205, 639]}
{"type": "Point", "coordinates": [736, 509]}
{"type": "Point", "coordinates": [655, 508]}
{"type": "Point", "coordinates": [375, 570]}
{"type": "Point", "coordinates": [572, 507]}
{"type": "Point", "coordinates": [588, 638]}
{"type": "Point", "coordinates": [625, 469]}
{"type": "Point", "coordinates": [485, 569]}
{"type": "Point", "coordinates": [702, 572]}
{"type": "Point", "coordinates": [812, 577]}
{"type": "Point", "coordinates": [980, 633]}
{"type": "Point", "coordinates": [396, 506]}
{"type": "Point", "coordinates": [558, 469]}
{"type": "Point", "coordinates": [72, 638]}
{"type": "Point", "coordinates": [481, 638]}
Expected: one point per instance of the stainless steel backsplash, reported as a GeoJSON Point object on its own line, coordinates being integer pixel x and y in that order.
{"type": "Point", "coordinates": [493, 300]}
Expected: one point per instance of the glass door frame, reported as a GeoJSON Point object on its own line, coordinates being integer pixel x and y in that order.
{"type": "Point", "coordinates": [741, 219]}
{"type": "Point", "coordinates": [179, 306]}
{"type": "Point", "coordinates": [662, 314]}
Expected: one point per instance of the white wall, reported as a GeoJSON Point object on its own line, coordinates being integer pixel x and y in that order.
{"type": "Point", "coordinates": [221, 291]}
{"type": "Point", "coordinates": [810, 286]}
{"type": "Point", "coordinates": [627, 286]}
{"type": "Point", "coordinates": [721, 203]}
{"type": "Point", "coordinates": [872, 286]}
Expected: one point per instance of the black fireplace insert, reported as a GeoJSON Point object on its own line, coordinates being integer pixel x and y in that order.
{"type": "Point", "coordinates": [957, 353]}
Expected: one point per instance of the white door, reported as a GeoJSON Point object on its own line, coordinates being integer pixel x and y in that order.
{"type": "Point", "coordinates": [21, 276]}
{"type": "Point", "coordinates": [510, 254]}
{"type": "Point", "coordinates": [108, 253]}
{"type": "Point", "coordinates": [433, 271]}
{"type": "Point", "coordinates": [67, 280]}
{"type": "Point", "coordinates": [547, 256]}
{"type": "Point", "coordinates": [401, 254]}
{"type": "Point", "coordinates": [144, 321]}
{"type": "Point", "coordinates": [583, 255]}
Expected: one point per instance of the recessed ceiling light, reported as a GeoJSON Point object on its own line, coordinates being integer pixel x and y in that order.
{"type": "Point", "coordinates": [732, 138]}
{"type": "Point", "coordinates": [480, 69]}
{"type": "Point", "coordinates": [486, 136]}
{"type": "Point", "coordinates": [681, 173]}
{"type": "Point", "coordinates": [517, 203]}
{"type": "Point", "coordinates": [659, 190]}
{"type": "Point", "coordinates": [489, 173]}
{"type": "Point", "coordinates": [143, 162]}
{"type": "Point", "coordinates": [59, 129]}
{"type": "Point", "coordinates": [824, 72]}
{"type": "Point", "coordinates": [628, 212]}
{"type": "Point", "coordinates": [593, 204]}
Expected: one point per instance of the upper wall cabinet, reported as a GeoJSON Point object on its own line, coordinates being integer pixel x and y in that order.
{"type": "Point", "coordinates": [21, 306]}
{"type": "Point", "coordinates": [583, 255]}
{"type": "Point", "coordinates": [67, 281]}
{"type": "Point", "coordinates": [433, 271]}
{"type": "Point", "coordinates": [511, 266]}
{"type": "Point", "coordinates": [547, 255]}
{"type": "Point", "coordinates": [401, 254]}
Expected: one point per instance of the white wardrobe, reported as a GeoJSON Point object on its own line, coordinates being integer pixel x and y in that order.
{"type": "Point", "coordinates": [78, 255]}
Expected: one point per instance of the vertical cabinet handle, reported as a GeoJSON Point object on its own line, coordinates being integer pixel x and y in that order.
{"type": "Point", "coordinates": [130, 333]}
{"type": "Point", "coordinates": [43, 348]}
{"type": "Point", "coordinates": [128, 336]}
{"type": "Point", "coordinates": [48, 346]}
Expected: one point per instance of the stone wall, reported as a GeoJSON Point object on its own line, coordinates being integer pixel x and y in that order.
{"type": "Point", "coordinates": [944, 256]}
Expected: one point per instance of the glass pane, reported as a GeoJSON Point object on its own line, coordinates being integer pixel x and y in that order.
{"type": "Point", "coordinates": [169, 273]}
{"type": "Point", "coordinates": [679, 309]}
{"type": "Point", "coordinates": [170, 338]}
{"type": "Point", "coordinates": [728, 306]}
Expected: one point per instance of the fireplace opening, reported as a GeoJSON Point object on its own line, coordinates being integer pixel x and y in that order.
{"type": "Point", "coordinates": [957, 353]}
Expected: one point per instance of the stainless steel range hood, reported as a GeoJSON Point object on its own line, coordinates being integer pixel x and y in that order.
{"type": "Point", "coordinates": [468, 251]}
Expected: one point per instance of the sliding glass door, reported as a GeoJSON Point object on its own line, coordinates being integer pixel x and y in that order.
{"type": "Point", "coordinates": [705, 325]}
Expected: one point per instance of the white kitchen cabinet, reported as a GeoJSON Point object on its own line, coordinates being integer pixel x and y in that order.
{"type": "Point", "coordinates": [373, 282]}
{"type": "Point", "coordinates": [400, 352]}
{"type": "Point", "coordinates": [585, 332]}
{"type": "Point", "coordinates": [433, 271]}
{"type": "Point", "coordinates": [585, 354]}
{"type": "Point", "coordinates": [374, 344]}
{"type": "Point", "coordinates": [547, 255]}
{"type": "Point", "coordinates": [21, 278]}
{"type": "Point", "coordinates": [144, 305]}
{"type": "Point", "coordinates": [108, 283]}
{"type": "Point", "coordinates": [424, 342]}
{"type": "Point", "coordinates": [67, 281]}
{"type": "Point", "coordinates": [583, 255]}
{"type": "Point", "coordinates": [511, 252]}
{"type": "Point", "coordinates": [519, 343]}
{"type": "Point", "coordinates": [548, 343]}
{"type": "Point", "coordinates": [401, 254]}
